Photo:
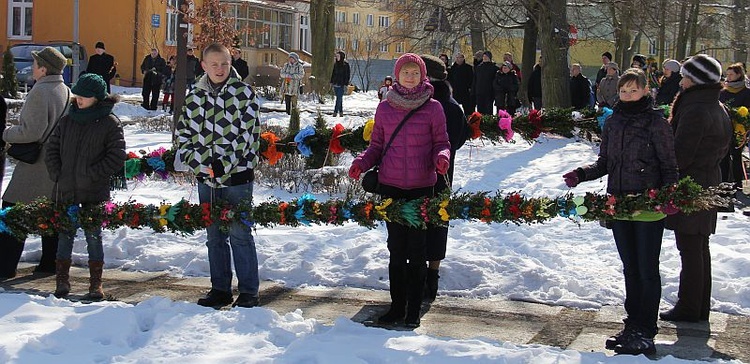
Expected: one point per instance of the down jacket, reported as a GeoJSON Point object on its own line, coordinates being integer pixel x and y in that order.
{"type": "Point", "coordinates": [82, 156]}
{"type": "Point", "coordinates": [219, 129]}
{"type": "Point", "coordinates": [637, 152]}
{"type": "Point", "coordinates": [410, 161]}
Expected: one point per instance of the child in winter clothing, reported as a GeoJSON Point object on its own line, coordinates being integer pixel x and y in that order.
{"type": "Point", "coordinates": [291, 78]}
{"type": "Point", "coordinates": [637, 153]}
{"type": "Point", "coordinates": [407, 171]}
{"type": "Point", "coordinates": [385, 87]}
{"type": "Point", "coordinates": [168, 89]}
{"type": "Point", "coordinates": [86, 149]}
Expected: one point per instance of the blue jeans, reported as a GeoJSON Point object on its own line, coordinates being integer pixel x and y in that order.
{"type": "Point", "coordinates": [639, 245]}
{"type": "Point", "coordinates": [93, 244]}
{"type": "Point", "coordinates": [240, 239]}
{"type": "Point", "coordinates": [339, 107]}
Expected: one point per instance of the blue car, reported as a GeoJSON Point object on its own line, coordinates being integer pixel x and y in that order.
{"type": "Point", "coordinates": [23, 60]}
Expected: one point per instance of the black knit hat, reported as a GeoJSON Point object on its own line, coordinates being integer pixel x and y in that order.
{"type": "Point", "coordinates": [702, 69]}
{"type": "Point", "coordinates": [90, 85]}
{"type": "Point", "coordinates": [488, 54]}
{"type": "Point", "coordinates": [640, 59]}
{"type": "Point", "coordinates": [608, 55]}
{"type": "Point", "coordinates": [435, 67]}
{"type": "Point", "coordinates": [99, 45]}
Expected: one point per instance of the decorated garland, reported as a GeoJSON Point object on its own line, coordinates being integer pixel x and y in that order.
{"type": "Point", "coordinates": [741, 123]}
{"type": "Point", "coordinates": [43, 217]}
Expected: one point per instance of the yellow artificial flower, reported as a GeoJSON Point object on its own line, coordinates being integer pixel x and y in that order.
{"type": "Point", "coordinates": [367, 133]}
{"type": "Point", "coordinates": [443, 212]}
{"type": "Point", "coordinates": [380, 209]}
{"type": "Point", "coordinates": [742, 111]}
{"type": "Point", "coordinates": [163, 212]}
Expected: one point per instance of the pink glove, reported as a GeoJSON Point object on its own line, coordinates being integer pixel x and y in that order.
{"type": "Point", "coordinates": [354, 172]}
{"type": "Point", "coordinates": [442, 166]}
{"type": "Point", "coordinates": [571, 179]}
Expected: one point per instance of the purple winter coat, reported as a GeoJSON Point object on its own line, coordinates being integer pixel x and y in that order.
{"type": "Point", "coordinates": [410, 161]}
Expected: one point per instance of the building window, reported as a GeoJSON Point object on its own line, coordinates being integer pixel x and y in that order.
{"type": "Point", "coordinates": [355, 44]}
{"type": "Point", "coordinates": [19, 18]}
{"type": "Point", "coordinates": [370, 21]}
{"type": "Point", "coordinates": [304, 32]}
{"type": "Point", "coordinates": [384, 48]}
{"type": "Point", "coordinates": [652, 47]}
{"type": "Point", "coordinates": [340, 16]}
{"type": "Point", "coordinates": [384, 21]}
{"type": "Point", "coordinates": [171, 29]}
{"type": "Point", "coordinates": [266, 28]}
{"type": "Point", "coordinates": [400, 47]}
{"type": "Point", "coordinates": [400, 24]}
{"type": "Point", "coordinates": [340, 43]}
{"type": "Point", "coordinates": [355, 18]}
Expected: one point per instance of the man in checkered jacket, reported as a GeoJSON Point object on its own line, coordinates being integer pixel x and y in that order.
{"type": "Point", "coordinates": [218, 137]}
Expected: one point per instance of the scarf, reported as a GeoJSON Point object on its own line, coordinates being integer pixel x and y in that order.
{"type": "Point", "coordinates": [90, 114]}
{"type": "Point", "coordinates": [642, 105]}
{"type": "Point", "coordinates": [735, 86]}
{"type": "Point", "coordinates": [404, 98]}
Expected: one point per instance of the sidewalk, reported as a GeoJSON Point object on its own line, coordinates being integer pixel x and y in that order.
{"type": "Point", "coordinates": [724, 337]}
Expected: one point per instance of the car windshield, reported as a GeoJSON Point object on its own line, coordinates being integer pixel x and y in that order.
{"type": "Point", "coordinates": [23, 52]}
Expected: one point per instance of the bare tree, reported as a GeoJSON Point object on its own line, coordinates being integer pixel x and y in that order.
{"type": "Point", "coordinates": [323, 43]}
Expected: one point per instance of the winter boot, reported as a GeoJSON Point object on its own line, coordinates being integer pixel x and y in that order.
{"type": "Point", "coordinates": [62, 279]}
{"type": "Point", "coordinates": [397, 277]}
{"type": "Point", "coordinates": [431, 285]}
{"type": "Point", "coordinates": [416, 271]}
{"type": "Point", "coordinates": [618, 338]}
{"type": "Point", "coordinates": [96, 268]}
{"type": "Point", "coordinates": [47, 264]}
{"type": "Point", "coordinates": [216, 298]}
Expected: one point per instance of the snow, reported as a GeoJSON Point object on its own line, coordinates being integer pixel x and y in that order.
{"type": "Point", "coordinates": [557, 263]}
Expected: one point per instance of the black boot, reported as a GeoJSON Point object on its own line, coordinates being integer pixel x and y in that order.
{"type": "Point", "coordinates": [431, 284]}
{"type": "Point", "coordinates": [397, 277]}
{"type": "Point", "coordinates": [49, 252]}
{"type": "Point", "coordinates": [216, 298]}
{"type": "Point", "coordinates": [417, 271]}
{"type": "Point", "coordinates": [10, 253]}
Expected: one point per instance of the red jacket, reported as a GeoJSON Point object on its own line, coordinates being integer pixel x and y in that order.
{"type": "Point", "coordinates": [410, 161]}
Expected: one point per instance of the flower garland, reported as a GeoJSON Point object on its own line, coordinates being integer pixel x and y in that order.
{"type": "Point", "coordinates": [741, 123]}
{"type": "Point", "coordinates": [43, 217]}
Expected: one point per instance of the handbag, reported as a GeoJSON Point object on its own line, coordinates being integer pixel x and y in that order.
{"type": "Point", "coordinates": [370, 182]}
{"type": "Point", "coordinates": [29, 152]}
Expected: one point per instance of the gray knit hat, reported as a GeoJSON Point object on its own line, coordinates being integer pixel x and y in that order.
{"type": "Point", "coordinates": [51, 59]}
{"type": "Point", "coordinates": [702, 69]}
{"type": "Point", "coordinates": [672, 65]}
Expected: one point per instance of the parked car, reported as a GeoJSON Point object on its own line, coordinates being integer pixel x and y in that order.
{"type": "Point", "coordinates": [23, 59]}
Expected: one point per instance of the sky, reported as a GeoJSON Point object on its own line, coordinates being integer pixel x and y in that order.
{"type": "Point", "coordinates": [562, 263]}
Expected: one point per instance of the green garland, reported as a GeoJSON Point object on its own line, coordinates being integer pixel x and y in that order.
{"type": "Point", "coordinates": [43, 217]}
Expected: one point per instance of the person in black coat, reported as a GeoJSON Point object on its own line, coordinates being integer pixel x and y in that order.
{"type": "Point", "coordinates": [340, 77]}
{"type": "Point", "coordinates": [239, 64]}
{"type": "Point", "coordinates": [505, 87]}
{"type": "Point", "coordinates": [670, 83]}
{"type": "Point", "coordinates": [458, 132]}
{"type": "Point", "coordinates": [85, 151]}
{"type": "Point", "coordinates": [734, 94]}
{"type": "Point", "coordinates": [580, 88]}
{"type": "Point", "coordinates": [153, 70]}
{"type": "Point", "coordinates": [103, 64]}
{"type": "Point", "coordinates": [606, 58]}
{"type": "Point", "coordinates": [481, 88]}
{"type": "Point", "coordinates": [460, 76]}
{"type": "Point", "coordinates": [534, 90]}
{"type": "Point", "coordinates": [192, 65]}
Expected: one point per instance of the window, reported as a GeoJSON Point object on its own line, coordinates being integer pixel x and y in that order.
{"type": "Point", "coordinates": [355, 44]}
{"type": "Point", "coordinates": [355, 18]}
{"type": "Point", "coordinates": [652, 47]}
{"type": "Point", "coordinates": [304, 32]}
{"type": "Point", "coordinates": [370, 20]}
{"type": "Point", "coordinates": [19, 18]}
{"type": "Point", "coordinates": [384, 21]}
{"type": "Point", "coordinates": [340, 16]}
{"type": "Point", "coordinates": [340, 43]}
{"type": "Point", "coordinates": [400, 47]}
{"type": "Point", "coordinates": [269, 28]}
{"type": "Point", "coordinates": [400, 24]}
{"type": "Point", "coordinates": [384, 48]}
{"type": "Point", "coordinates": [171, 29]}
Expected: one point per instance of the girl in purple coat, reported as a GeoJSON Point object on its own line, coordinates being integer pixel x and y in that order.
{"type": "Point", "coordinates": [408, 170]}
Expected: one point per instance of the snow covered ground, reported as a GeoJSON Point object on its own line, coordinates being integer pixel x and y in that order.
{"type": "Point", "coordinates": [558, 263]}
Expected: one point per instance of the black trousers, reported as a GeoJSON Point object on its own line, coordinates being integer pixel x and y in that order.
{"type": "Point", "coordinates": [150, 95]}
{"type": "Point", "coordinates": [694, 294]}
{"type": "Point", "coordinates": [11, 249]}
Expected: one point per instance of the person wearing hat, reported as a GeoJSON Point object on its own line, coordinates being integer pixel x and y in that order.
{"type": "Point", "coordinates": [291, 78]}
{"type": "Point", "coordinates": [44, 105]}
{"type": "Point", "coordinates": [420, 151]}
{"type": "Point", "coordinates": [602, 72]}
{"type": "Point", "coordinates": [86, 149]}
{"type": "Point", "coordinates": [482, 86]}
{"type": "Point", "coordinates": [153, 69]}
{"type": "Point", "coordinates": [102, 64]}
{"type": "Point", "coordinates": [639, 61]}
{"type": "Point", "coordinates": [340, 77]}
{"type": "Point", "coordinates": [505, 87]}
{"type": "Point", "coordinates": [734, 94]}
{"type": "Point", "coordinates": [458, 132]}
{"type": "Point", "coordinates": [239, 64]}
{"type": "Point", "coordinates": [703, 133]}
{"type": "Point", "coordinates": [670, 83]}
{"type": "Point", "coordinates": [607, 91]}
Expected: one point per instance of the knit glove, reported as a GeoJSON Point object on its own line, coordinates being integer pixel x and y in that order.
{"type": "Point", "coordinates": [571, 179]}
{"type": "Point", "coordinates": [354, 172]}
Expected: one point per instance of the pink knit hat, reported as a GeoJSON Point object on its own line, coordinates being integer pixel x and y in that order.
{"type": "Point", "coordinates": [410, 58]}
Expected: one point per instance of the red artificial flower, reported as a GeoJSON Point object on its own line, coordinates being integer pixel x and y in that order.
{"type": "Point", "coordinates": [474, 121]}
{"type": "Point", "coordinates": [335, 144]}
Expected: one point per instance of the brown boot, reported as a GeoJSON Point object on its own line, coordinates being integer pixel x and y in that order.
{"type": "Point", "coordinates": [96, 268]}
{"type": "Point", "coordinates": [62, 271]}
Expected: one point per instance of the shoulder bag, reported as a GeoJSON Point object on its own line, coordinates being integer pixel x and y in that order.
{"type": "Point", "coordinates": [29, 152]}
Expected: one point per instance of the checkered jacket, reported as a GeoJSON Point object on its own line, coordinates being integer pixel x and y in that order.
{"type": "Point", "coordinates": [219, 125]}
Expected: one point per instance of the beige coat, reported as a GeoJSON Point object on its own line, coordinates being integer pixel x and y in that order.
{"type": "Point", "coordinates": [43, 106]}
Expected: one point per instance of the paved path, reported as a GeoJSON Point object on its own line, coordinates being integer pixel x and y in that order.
{"type": "Point", "coordinates": [724, 337]}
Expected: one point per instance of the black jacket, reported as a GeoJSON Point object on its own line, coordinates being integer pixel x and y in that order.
{"type": "Point", "coordinates": [83, 156]}
{"type": "Point", "coordinates": [153, 69]}
{"type": "Point", "coordinates": [636, 152]}
{"type": "Point", "coordinates": [484, 76]}
{"type": "Point", "coordinates": [192, 67]}
{"type": "Point", "coordinates": [505, 83]}
{"type": "Point", "coordinates": [240, 66]}
{"type": "Point", "coordinates": [457, 128]}
{"type": "Point", "coordinates": [535, 83]}
{"type": "Point", "coordinates": [580, 92]}
{"type": "Point", "coordinates": [737, 99]}
{"type": "Point", "coordinates": [460, 77]}
{"type": "Point", "coordinates": [341, 73]}
{"type": "Point", "coordinates": [669, 88]}
{"type": "Point", "coordinates": [103, 65]}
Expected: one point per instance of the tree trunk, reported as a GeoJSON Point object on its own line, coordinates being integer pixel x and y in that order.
{"type": "Point", "coordinates": [681, 43]}
{"type": "Point", "coordinates": [693, 26]}
{"type": "Point", "coordinates": [530, 37]}
{"type": "Point", "coordinates": [553, 36]}
{"type": "Point", "coordinates": [739, 27]}
{"type": "Point", "coordinates": [323, 43]}
{"type": "Point", "coordinates": [662, 37]}
{"type": "Point", "coordinates": [476, 32]}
